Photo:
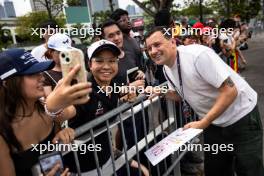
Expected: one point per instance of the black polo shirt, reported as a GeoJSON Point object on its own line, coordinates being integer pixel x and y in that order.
{"type": "Point", "coordinates": [98, 105]}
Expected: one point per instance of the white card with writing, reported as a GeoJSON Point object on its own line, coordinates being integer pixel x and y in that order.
{"type": "Point", "coordinates": [170, 144]}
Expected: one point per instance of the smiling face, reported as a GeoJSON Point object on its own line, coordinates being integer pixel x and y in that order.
{"type": "Point", "coordinates": [32, 86]}
{"type": "Point", "coordinates": [104, 67]}
{"type": "Point", "coordinates": [114, 34]}
{"type": "Point", "coordinates": [160, 49]}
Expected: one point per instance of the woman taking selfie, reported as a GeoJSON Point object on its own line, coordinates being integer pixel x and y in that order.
{"type": "Point", "coordinates": [25, 120]}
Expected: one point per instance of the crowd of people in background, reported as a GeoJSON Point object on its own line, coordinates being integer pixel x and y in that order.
{"type": "Point", "coordinates": [108, 58]}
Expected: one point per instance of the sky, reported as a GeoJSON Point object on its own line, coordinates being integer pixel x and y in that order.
{"type": "Point", "coordinates": [23, 6]}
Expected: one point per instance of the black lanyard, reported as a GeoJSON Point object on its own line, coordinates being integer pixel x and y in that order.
{"type": "Point", "coordinates": [181, 93]}
{"type": "Point", "coordinates": [185, 107]}
{"type": "Point", "coordinates": [179, 72]}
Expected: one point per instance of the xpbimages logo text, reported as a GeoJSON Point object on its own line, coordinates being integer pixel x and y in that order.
{"type": "Point", "coordinates": [71, 31]}
{"type": "Point", "coordinates": [50, 147]}
{"type": "Point", "coordinates": [213, 32]}
{"type": "Point", "coordinates": [117, 89]}
{"type": "Point", "coordinates": [212, 148]}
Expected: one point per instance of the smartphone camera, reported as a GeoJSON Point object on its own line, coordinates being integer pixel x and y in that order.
{"type": "Point", "coordinates": [65, 58]}
{"type": "Point", "coordinates": [48, 161]}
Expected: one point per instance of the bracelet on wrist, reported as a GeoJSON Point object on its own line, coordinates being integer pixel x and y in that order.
{"type": "Point", "coordinates": [52, 114]}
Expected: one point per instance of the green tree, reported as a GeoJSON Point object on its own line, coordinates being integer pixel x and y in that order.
{"type": "Point", "coordinates": [100, 17]}
{"type": "Point", "coordinates": [246, 9]}
{"type": "Point", "coordinates": [53, 7]}
{"type": "Point", "coordinates": [111, 4]}
{"type": "Point", "coordinates": [194, 10]}
{"type": "Point", "coordinates": [33, 20]}
{"type": "Point", "coordinates": [151, 7]}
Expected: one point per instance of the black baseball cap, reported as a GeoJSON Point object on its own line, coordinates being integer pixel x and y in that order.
{"type": "Point", "coordinates": [16, 61]}
{"type": "Point", "coordinates": [100, 45]}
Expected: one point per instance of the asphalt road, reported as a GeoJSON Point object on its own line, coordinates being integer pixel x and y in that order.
{"type": "Point", "coordinates": [254, 73]}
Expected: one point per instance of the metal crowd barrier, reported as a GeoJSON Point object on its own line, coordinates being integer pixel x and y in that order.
{"type": "Point", "coordinates": [167, 123]}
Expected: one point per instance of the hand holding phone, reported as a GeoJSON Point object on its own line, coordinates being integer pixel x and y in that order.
{"type": "Point", "coordinates": [70, 58]}
{"type": "Point", "coordinates": [55, 169]}
{"type": "Point", "coordinates": [132, 74]}
{"type": "Point", "coordinates": [140, 75]}
{"type": "Point", "coordinates": [49, 161]}
{"type": "Point", "coordinates": [66, 94]}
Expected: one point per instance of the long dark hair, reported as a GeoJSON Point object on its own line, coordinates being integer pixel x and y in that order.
{"type": "Point", "coordinates": [11, 98]}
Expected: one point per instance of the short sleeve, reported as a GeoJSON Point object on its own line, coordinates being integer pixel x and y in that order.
{"type": "Point", "coordinates": [212, 68]}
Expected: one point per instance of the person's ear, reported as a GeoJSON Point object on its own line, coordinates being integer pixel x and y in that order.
{"type": "Point", "coordinates": [173, 41]}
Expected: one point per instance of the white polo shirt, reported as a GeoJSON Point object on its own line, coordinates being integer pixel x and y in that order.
{"type": "Point", "coordinates": [203, 72]}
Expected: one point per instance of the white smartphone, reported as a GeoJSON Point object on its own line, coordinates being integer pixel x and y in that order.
{"type": "Point", "coordinates": [70, 58]}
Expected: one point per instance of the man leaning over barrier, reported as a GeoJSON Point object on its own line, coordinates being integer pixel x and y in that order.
{"type": "Point", "coordinates": [226, 104]}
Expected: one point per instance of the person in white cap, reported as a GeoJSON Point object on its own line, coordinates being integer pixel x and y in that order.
{"type": "Point", "coordinates": [56, 43]}
{"type": "Point", "coordinates": [48, 28]}
{"type": "Point", "coordinates": [103, 63]}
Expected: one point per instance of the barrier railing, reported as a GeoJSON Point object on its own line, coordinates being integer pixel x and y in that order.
{"type": "Point", "coordinates": [159, 116]}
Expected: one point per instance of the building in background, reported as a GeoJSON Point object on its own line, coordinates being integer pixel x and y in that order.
{"type": "Point", "coordinates": [139, 11]}
{"type": "Point", "coordinates": [9, 9]}
{"type": "Point", "coordinates": [101, 5]}
{"type": "Point", "coordinates": [2, 11]}
{"type": "Point", "coordinates": [38, 6]}
{"type": "Point", "coordinates": [131, 9]}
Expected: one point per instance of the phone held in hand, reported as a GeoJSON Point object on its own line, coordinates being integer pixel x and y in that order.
{"type": "Point", "coordinates": [70, 58]}
{"type": "Point", "coordinates": [132, 74]}
{"type": "Point", "coordinates": [48, 161]}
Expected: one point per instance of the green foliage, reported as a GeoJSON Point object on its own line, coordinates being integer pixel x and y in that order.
{"type": "Point", "coordinates": [100, 17]}
{"type": "Point", "coordinates": [244, 8]}
{"type": "Point", "coordinates": [194, 10]}
{"type": "Point", "coordinates": [34, 20]}
{"type": "Point", "coordinates": [151, 7]}
{"type": "Point", "coordinates": [53, 7]}
{"type": "Point", "coordinates": [246, 11]}
{"type": "Point", "coordinates": [148, 21]}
